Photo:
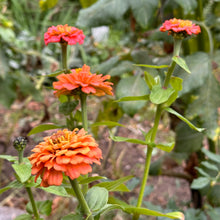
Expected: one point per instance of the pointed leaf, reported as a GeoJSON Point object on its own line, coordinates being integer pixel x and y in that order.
{"type": "Point", "coordinates": [152, 66]}
{"type": "Point", "coordinates": [210, 165]}
{"type": "Point", "coordinates": [107, 123]}
{"type": "Point", "coordinates": [23, 171]}
{"type": "Point", "coordinates": [130, 140]}
{"type": "Point", "coordinates": [144, 211]}
{"type": "Point", "coordinates": [202, 172]}
{"type": "Point", "coordinates": [200, 183]}
{"type": "Point", "coordinates": [43, 127]}
{"type": "Point", "coordinates": [181, 62]}
{"type": "Point", "coordinates": [133, 98]}
{"type": "Point", "coordinates": [170, 110]}
{"type": "Point", "coordinates": [24, 217]}
{"type": "Point", "coordinates": [211, 156]}
{"type": "Point", "coordinates": [67, 108]}
{"type": "Point", "coordinates": [107, 208]}
{"type": "Point", "coordinates": [131, 86]}
{"type": "Point", "coordinates": [13, 184]}
{"type": "Point", "coordinates": [57, 190]}
{"type": "Point", "coordinates": [91, 179]}
{"type": "Point", "coordinates": [176, 83]}
{"type": "Point", "coordinates": [103, 12]}
{"type": "Point", "coordinates": [160, 95]}
{"type": "Point", "coordinates": [44, 207]}
{"type": "Point", "coordinates": [166, 147]}
{"type": "Point", "coordinates": [149, 80]}
{"type": "Point", "coordinates": [113, 185]}
{"type": "Point", "coordinates": [97, 198]}
{"type": "Point", "coordinates": [9, 158]}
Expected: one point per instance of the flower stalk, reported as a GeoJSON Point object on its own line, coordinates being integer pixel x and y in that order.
{"type": "Point", "coordinates": [159, 109]}
{"type": "Point", "coordinates": [64, 56]}
{"type": "Point", "coordinates": [76, 188]}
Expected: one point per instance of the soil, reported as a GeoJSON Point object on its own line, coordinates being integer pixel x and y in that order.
{"type": "Point", "coordinates": [123, 158]}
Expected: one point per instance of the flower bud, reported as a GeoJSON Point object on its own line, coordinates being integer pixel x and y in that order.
{"type": "Point", "coordinates": [20, 143]}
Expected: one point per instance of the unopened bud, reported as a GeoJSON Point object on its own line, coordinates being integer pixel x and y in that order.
{"type": "Point", "coordinates": [20, 143]}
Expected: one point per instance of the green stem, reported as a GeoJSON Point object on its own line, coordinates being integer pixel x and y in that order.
{"type": "Point", "coordinates": [83, 97]}
{"type": "Point", "coordinates": [28, 189]}
{"type": "Point", "coordinates": [64, 56]}
{"type": "Point", "coordinates": [177, 45]}
{"type": "Point", "coordinates": [176, 52]}
{"type": "Point", "coordinates": [86, 211]}
{"type": "Point", "coordinates": [20, 156]}
{"type": "Point", "coordinates": [34, 207]}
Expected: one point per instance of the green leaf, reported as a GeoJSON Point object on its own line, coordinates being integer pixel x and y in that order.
{"type": "Point", "coordinates": [200, 183]}
{"type": "Point", "coordinates": [67, 108]}
{"type": "Point", "coordinates": [44, 207]}
{"type": "Point", "coordinates": [187, 140]}
{"type": "Point", "coordinates": [166, 147]}
{"type": "Point", "coordinates": [107, 208]}
{"type": "Point", "coordinates": [56, 73]}
{"type": "Point", "coordinates": [152, 66]}
{"type": "Point", "coordinates": [43, 127]}
{"type": "Point", "coordinates": [23, 171]}
{"type": "Point", "coordinates": [107, 123]}
{"type": "Point", "coordinates": [202, 172]}
{"type": "Point", "coordinates": [24, 217]}
{"type": "Point", "coordinates": [57, 190]}
{"type": "Point", "coordinates": [72, 216]}
{"type": "Point", "coordinates": [211, 156]}
{"type": "Point", "coordinates": [170, 110]}
{"type": "Point", "coordinates": [207, 103]}
{"type": "Point", "coordinates": [130, 140]}
{"type": "Point", "coordinates": [176, 83]}
{"type": "Point", "coordinates": [181, 62]}
{"type": "Point", "coordinates": [160, 95]}
{"type": "Point", "coordinates": [134, 98]}
{"type": "Point", "coordinates": [209, 165]}
{"type": "Point", "coordinates": [187, 5]}
{"type": "Point", "coordinates": [131, 86]}
{"type": "Point", "coordinates": [13, 184]}
{"type": "Point", "coordinates": [47, 4]}
{"type": "Point", "coordinates": [144, 11]}
{"type": "Point", "coordinates": [116, 184]}
{"type": "Point", "coordinates": [91, 179]}
{"type": "Point", "coordinates": [149, 80]}
{"type": "Point", "coordinates": [103, 12]}
{"type": "Point", "coordinates": [121, 68]}
{"type": "Point", "coordinates": [9, 158]}
{"type": "Point", "coordinates": [97, 198]}
{"type": "Point", "coordinates": [87, 3]}
{"type": "Point", "coordinates": [144, 211]}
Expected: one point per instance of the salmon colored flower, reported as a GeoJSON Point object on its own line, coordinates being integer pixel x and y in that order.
{"type": "Point", "coordinates": [179, 26]}
{"type": "Point", "coordinates": [82, 80]}
{"type": "Point", "coordinates": [64, 33]}
{"type": "Point", "coordinates": [65, 152]}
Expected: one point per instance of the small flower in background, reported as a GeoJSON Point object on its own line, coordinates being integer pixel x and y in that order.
{"type": "Point", "coordinates": [82, 80]}
{"type": "Point", "coordinates": [64, 33]}
{"type": "Point", "coordinates": [178, 26]}
{"type": "Point", "coordinates": [68, 152]}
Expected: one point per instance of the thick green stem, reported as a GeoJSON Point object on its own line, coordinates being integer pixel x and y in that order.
{"type": "Point", "coordinates": [176, 52]}
{"type": "Point", "coordinates": [81, 199]}
{"type": "Point", "coordinates": [33, 204]}
{"type": "Point", "coordinates": [83, 97]}
{"type": "Point", "coordinates": [177, 45]}
{"type": "Point", "coordinates": [20, 156]}
{"type": "Point", "coordinates": [64, 56]}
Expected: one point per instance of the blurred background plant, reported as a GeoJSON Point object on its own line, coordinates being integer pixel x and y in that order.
{"type": "Point", "coordinates": [121, 33]}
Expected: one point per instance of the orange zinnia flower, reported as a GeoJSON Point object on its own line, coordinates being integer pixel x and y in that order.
{"type": "Point", "coordinates": [68, 152]}
{"type": "Point", "coordinates": [64, 33]}
{"type": "Point", "coordinates": [82, 80]}
{"type": "Point", "coordinates": [185, 27]}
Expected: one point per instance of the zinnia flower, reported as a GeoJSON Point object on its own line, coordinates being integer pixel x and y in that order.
{"type": "Point", "coordinates": [65, 152]}
{"type": "Point", "coordinates": [82, 80]}
{"type": "Point", "coordinates": [64, 33]}
{"type": "Point", "coordinates": [185, 27]}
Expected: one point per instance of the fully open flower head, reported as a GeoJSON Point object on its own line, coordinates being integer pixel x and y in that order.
{"type": "Point", "coordinates": [65, 152]}
{"type": "Point", "coordinates": [64, 33]}
{"type": "Point", "coordinates": [178, 27]}
{"type": "Point", "coordinates": [82, 80]}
